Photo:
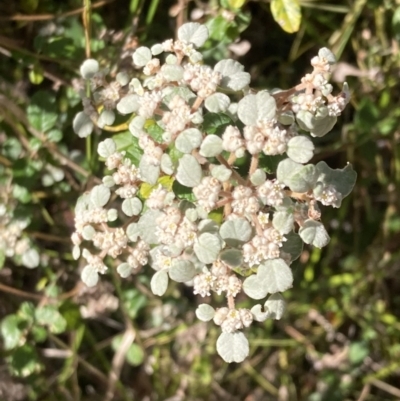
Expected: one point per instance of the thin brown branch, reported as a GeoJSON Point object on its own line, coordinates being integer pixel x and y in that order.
{"type": "Point", "coordinates": [235, 174]}
{"type": "Point", "coordinates": [47, 17]}
{"type": "Point", "coordinates": [20, 293]}
{"type": "Point", "coordinates": [118, 362]}
{"type": "Point", "coordinates": [394, 391]}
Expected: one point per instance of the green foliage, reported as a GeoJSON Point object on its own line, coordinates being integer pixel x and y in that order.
{"type": "Point", "coordinates": [339, 336]}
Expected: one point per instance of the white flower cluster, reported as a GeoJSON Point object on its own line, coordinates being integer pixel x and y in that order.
{"type": "Point", "coordinates": [178, 197]}
{"type": "Point", "coordinates": [14, 243]}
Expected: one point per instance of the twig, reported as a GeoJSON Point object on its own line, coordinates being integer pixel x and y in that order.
{"type": "Point", "coordinates": [118, 361]}
{"type": "Point", "coordinates": [364, 393]}
{"type": "Point", "coordinates": [386, 387]}
{"type": "Point", "coordinates": [46, 17]}
{"type": "Point", "coordinates": [90, 368]}
{"type": "Point", "coordinates": [20, 293]}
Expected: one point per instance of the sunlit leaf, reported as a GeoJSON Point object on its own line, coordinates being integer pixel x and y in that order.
{"type": "Point", "coordinates": [287, 14]}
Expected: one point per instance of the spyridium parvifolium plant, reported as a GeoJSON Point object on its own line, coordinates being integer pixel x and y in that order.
{"type": "Point", "coordinates": [189, 190]}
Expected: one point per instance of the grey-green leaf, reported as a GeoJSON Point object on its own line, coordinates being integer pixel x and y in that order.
{"type": "Point", "coordinates": [132, 206]}
{"type": "Point", "coordinates": [297, 177]}
{"type": "Point", "coordinates": [221, 173]}
{"type": "Point", "coordinates": [300, 149]}
{"type": "Point", "coordinates": [343, 180]}
{"type": "Point", "coordinates": [148, 172]}
{"type": "Point", "coordinates": [82, 125]}
{"type": "Point", "coordinates": [147, 226]}
{"type": "Point", "coordinates": [313, 232]}
{"type": "Point", "coordinates": [188, 140]}
{"type": "Point", "coordinates": [283, 221]}
{"type": "Point", "coordinates": [88, 68]}
{"type": "Point", "coordinates": [106, 148]}
{"type": "Point", "coordinates": [258, 314]}
{"type": "Point", "coordinates": [293, 245]}
{"type": "Point", "coordinates": [323, 126]}
{"type": "Point", "coordinates": [233, 347]}
{"type": "Point", "coordinates": [205, 312]}
{"type": "Point", "coordinates": [272, 276]}
{"type": "Point", "coordinates": [142, 56]}
{"type": "Point", "coordinates": [193, 32]}
{"type": "Point", "coordinates": [90, 276]}
{"type": "Point", "coordinates": [107, 117]}
{"type": "Point", "coordinates": [276, 306]}
{"type": "Point", "coordinates": [258, 177]}
{"type": "Point", "coordinates": [133, 232]}
{"type": "Point", "coordinates": [182, 271]}
{"type": "Point", "coordinates": [232, 257]}
{"type": "Point", "coordinates": [233, 76]}
{"type": "Point", "coordinates": [253, 108]}
{"type": "Point", "coordinates": [31, 258]}
{"type": "Point", "coordinates": [217, 102]}
{"type": "Point", "coordinates": [124, 270]}
{"type": "Point", "coordinates": [159, 283]}
{"type": "Point", "coordinates": [172, 73]}
{"type": "Point", "coordinates": [235, 232]}
{"type": "Point", "coordinates": [207, 248]}
{"type": "Point", "coordinates": [211, 146]}
{"type": "Point", "coordinates": [128, 104]}
{"type": "Point", "coordinates": [189, 171]}
{"type": "Point", "coordinates": [100, 195]}
{"type": "Point", "coordinates": [88, 232]}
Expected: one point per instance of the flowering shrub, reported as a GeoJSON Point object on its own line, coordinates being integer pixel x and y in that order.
{"type": "Point", "coordinates": [209, 185]}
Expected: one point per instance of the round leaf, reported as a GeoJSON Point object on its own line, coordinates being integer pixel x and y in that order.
{"type": "Point", "coordinates": [221, 173]}
{"type": "Point", "coordinates": [132, 206]}
{"type": "Point", "coordinates": [182, 271]}
{"type": "Point", "coordinates": [300, 149]}
{"type": "Point", "coordinates": [276, 306]}
{"type": "Point", "coordinates": [293, 245]}
{"type": "Point", "coordinates": [147, 226]}
{"type": "Point", "coordinates": [124, 270]}
{"type": "Point", "coordinates": [90, 276]}
{"type": "Point", "coordinates": [189, 171]}
{"type": "Point", "coordinates": [106, 148]}
{"type": "Point", "coordinates": [100, 195]}
{"type": "Point", "coordinates": [88, 68]}
{"type": "Point", "coordinates": [142, 56]}
{"type": "Point", "coordinates": [159, 283]}
{"type": "Point", "coordinates": [172, 73]}
{"type": "Point", "coordinates": [31, 258]}
{"type": "Point", "coordinates": [283, 221]}
{"type": "Point", "coordinates": [233, 76]}
{"type": "Point", "coordinates": [287, 14]}
{"type": "Point", "coordinates": [211, 146]}
{"type": "Point", "coordinates": [272, 276]}
{"type": "Point", "coordinates": [10, 331]}
{"type": "Point", "coordinates": [254, 108]}
{"type": "Point", "coordinates": [82, 125]}
{"type": "Point", "coordinates": [217, 102]}
{"type": "Point", "coordinates": [205, 312]}
{"type": "Point", "coordinates": [297, 177]}
{"type": "Point", "coordinates": [313, 232]}
{"type": "Point", "coordinates": [343, 180]}
{"type": "Point", "coordinates": [232, 257]}
{"type": "Point", "coordinates": [148, 172]}
{"type": "Point", "coordinates": [233, 347]}
{"type": "Point", "coordinates": [193, 32]}
{"type": "Point", "coordinates": [128, 104]}
{"type": "Point", "coordinates": [207, 248]}
{"type": "Point", "coordinates": [236, 231]}
{"type": "Point", "coordinates": [188, 140]}
{"type": "Point", "coordinates": [107, 117]}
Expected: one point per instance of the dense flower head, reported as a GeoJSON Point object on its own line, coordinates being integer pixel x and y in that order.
{"type": "Point", "coordinates": [209, 184]}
